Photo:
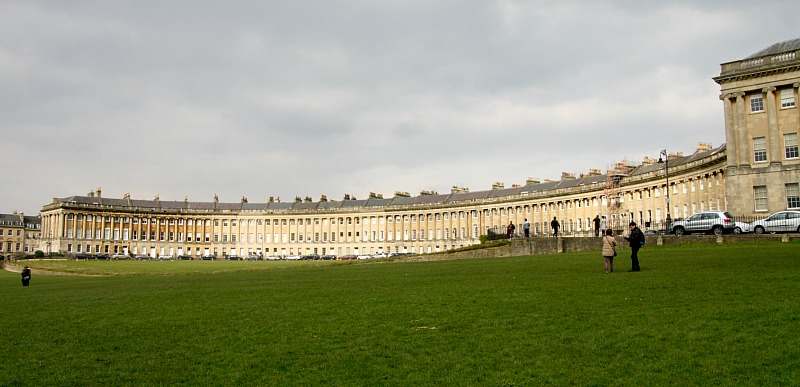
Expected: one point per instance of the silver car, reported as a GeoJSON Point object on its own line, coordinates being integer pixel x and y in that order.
{"type": "Point", "coordinates": [783, 221]}
{"type": "Point", "coordinates": [716, 222]}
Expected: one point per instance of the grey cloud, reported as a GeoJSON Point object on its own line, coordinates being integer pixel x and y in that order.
{"type": "Point", "coordinates": [302, 98]}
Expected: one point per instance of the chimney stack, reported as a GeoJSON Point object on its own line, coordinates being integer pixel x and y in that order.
{"type": "Point", "coordinates": [567, 176]}
{"type": "Point", "coordinates": [703, 147]}
{"type": "Point", "coordinates": [99, 192]}
{"type": "Point", "coordinates": [428, 193]}
{"type": "Point", "coordinates": [401, 194]}
{"type": "Point", "coordinates": [532, 180]}
{"type": "Point", "coordinates": [457, 189]}
{"type": "Point", "coordinates": [498, 185]}
{"type": "Point", "coordinates": [373, 195]}
{"type": "Point", "coordinates": [323, 198]}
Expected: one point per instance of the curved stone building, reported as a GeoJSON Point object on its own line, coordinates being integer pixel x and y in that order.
{"type": "Point", "coordinates": [426, 223]}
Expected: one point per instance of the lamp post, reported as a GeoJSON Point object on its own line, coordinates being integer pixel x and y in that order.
{"type": "Point", "coordinates": [663, 157]}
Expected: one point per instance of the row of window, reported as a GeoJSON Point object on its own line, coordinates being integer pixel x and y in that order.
{"type": "Point", "coordinates": [761, 197]}
{"type": "Point", "coordinates": [789, 143]}
{"type": "Point", "coordinates": [787, 101]}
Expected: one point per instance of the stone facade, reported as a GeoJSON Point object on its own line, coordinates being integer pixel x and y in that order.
{"type": "Point", "coordinates": [762, 124]}
{"type": "Point", "coordinates": [421, 224]}
{"type": "Point", "coordinates": [19, 234]}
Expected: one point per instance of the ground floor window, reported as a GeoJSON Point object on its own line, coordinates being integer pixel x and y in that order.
{"type": "Point", "coordinates": [793, 195]}
{"type": "Point", "coordinates": [760, 198]}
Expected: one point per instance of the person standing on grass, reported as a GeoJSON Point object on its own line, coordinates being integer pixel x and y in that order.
{"type": "Point", "coordinates": [636, 241]}
{"type": "Point", "coordinates": [555, 226]}
{"type": "Point", "coordinates": [526, 227]}
{"type": "Point", "coordinates": [609, 251]}
{"type": "Point", "coordinates": [596, 222]}
{"type": "Point", "coordinates": [26, 277]}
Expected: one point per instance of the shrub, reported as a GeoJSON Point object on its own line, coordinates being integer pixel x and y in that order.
{"type": "Point", "coordinates": [38, 254]}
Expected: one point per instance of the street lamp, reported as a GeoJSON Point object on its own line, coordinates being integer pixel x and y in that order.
{"type": "Point", "coordinates": [663, 158]}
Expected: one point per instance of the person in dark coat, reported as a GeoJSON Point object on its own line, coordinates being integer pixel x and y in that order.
{"type": "Point", "coordinates": [636, 240]}
{"type": "Point", "coordinates": [555, 226]}
{"type": "Point", "coordinates": [510, 230]}
{"type": "Point", "coordinates": [596, 225]}
{"type": "Point", "coordinates": [26, 277]}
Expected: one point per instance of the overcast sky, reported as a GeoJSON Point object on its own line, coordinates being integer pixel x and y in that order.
{"type": "Point", "coordinates": [291, 98]}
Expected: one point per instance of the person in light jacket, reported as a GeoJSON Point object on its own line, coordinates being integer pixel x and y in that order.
{"type": "Point", "coordinates": [609, 251]}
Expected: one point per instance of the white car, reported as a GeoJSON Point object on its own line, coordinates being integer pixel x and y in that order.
{"type": "Point", "coordinates": [364, 257]}
{"type": "Point", "coordinates": [272, 258]}
{"type": "Point", "coordinates": [293, 258]}
{"type": "Point", "coordinates": [783, 221]}
{"type": "Point", "coordinates": [742, 228]}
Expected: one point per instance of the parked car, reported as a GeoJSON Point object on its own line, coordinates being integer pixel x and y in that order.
{"type": "Point", "coordinates": [364, 256]}
{"type": "Point", "coordinates": [272, 258]}
{"type": "Point", "coordinates": [310, 257]}
{"type": "Point", "coordinates": [742, 228]}
{"type": "Point", "coordinates": [185, 257]}
{"type": "Point", "coordinates": [251, 257]}
{"type": "Point", "coordinates": [104, 257]}
{"type": "Point", "coordinates": [141, 257]}
{"type": "Point", "coordinates": [293, 258]}
{"type": "Point", "coordinates": [346, 257]}
{"type": "Point", "coordinates": [783, 221]}
{"type": "Point", "coordinates": [209, 257]}
{"type": "Point", "coordinates": [120, 256]}
{"type": "Point", "coordinates": [328, 257]}
{"type": "Point", "coordinates": [232, 257]}
{"type": "Point", "coordinates": [165, 257]}
{"type": "Point", "coordinates": [716, 222]}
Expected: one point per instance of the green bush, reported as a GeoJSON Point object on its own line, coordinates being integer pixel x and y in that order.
{"type": "Point", "coordinates": [38, 254]}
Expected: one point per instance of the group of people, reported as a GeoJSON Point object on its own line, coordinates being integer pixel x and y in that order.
{"type": "Point", "coordinates": [599, 223]}
{"type": "Point", "coordinates": [635, 239]}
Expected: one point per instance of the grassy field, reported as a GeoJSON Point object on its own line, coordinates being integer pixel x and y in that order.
{"type": "Point", "coordinates": [694, 316]}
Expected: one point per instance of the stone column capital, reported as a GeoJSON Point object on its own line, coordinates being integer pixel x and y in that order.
{"type": "Point", "coordinates": [768, 89]}
{"type": "Point", "coordinates": [738, 94]}
{"type": "Point", "coordinates": [796, 85]}
{"type": "Point", "coordinates": [726, 96]}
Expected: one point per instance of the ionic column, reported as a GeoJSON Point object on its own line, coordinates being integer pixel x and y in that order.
{"type": "Point", "coordinates": [774, 138]}
{"type": "Point", "coordinates": [743, 144]}
{"type": "Point", "coordinates": [730, 130]}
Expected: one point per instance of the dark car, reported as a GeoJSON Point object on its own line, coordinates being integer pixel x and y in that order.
{"type": "Point", "coordinates": [103, 257]}
{"type": "Point", "coordinates": [185, 257]}
{"type": "Point", "coordinates": [209, 257]}
{"type": "Point", "coordinates": [83, 256]}
{"type": "Point", "coordinates": [347, 257]}
{"type": "Point", "coordinates": [328, 257]}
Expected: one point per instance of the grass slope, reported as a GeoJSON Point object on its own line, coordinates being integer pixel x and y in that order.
{"type": "Point", "coordinates": [694, 316]}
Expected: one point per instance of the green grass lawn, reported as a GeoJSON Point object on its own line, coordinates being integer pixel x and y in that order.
{"type": "Point", "coordinates": [694, 316]}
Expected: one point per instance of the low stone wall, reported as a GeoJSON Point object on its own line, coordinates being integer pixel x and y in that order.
{"type": "Point", "coordinates": [547, 246]}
